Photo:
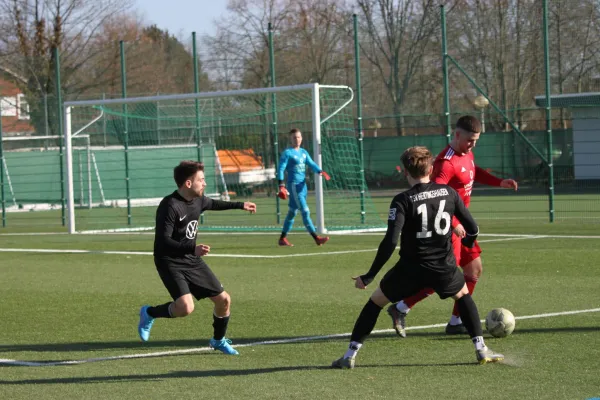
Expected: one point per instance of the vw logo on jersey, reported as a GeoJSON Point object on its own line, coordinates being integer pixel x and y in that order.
{"type": "Point", "coordinates": [190, 230]}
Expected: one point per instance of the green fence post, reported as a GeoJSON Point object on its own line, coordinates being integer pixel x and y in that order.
{"type": "Point", "coordinates": [2, 175]}
{"type": "Point", "coordinates": [548, 116]}
{"type": "Point", "coordinates": [104, 121]}
{"type": "Point", "coordinates": [274, 115]}
{"type": "Point", "coordinates": [126, 130]}
{"type": "Point", "coordinates": [445, 76]}
{"type": "Point", "coordinates": [197, 105]}
{"type": "Point", "coordinates": [60, 130]}
{"type": "Point", "coordinates": [196, 90]}
{"type": "Point", "coordinates": [359, 118]}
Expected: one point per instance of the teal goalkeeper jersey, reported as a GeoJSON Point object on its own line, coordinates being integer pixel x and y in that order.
{"type": "Point", "coordinates": [294, 162]}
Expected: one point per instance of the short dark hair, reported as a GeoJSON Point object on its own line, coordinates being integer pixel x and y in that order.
{"type": "Point", "coordinates": [185, 170]}
{"type": "Point", "coordinates": [293, 131]}
{"type": "Point", "coordinates": [469, 123]}
{"type": "Point", "coordinates": [416, 161]}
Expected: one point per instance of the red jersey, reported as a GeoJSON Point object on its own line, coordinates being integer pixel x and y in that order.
{"type": "Point", "coordinates": [460, 172]}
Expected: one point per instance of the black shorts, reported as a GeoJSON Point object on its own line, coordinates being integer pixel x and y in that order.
{"type": "Point", "coordinates": [181, 278]}
{"type": "Point", "coordinates": [405, 280]}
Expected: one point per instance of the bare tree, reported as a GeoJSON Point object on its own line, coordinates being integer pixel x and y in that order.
{"type": "Point", "coordinates": [321, 46]}
{"type": "Point", "coordinates": [399, 35]}
{"type": "Point", "coordinates": [32, 30]}
{"type": "Point", "coordinates": [239, 52]}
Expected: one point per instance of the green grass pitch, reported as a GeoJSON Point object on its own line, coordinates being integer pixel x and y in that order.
{"type": "Point", "coordinates": [66, 306]}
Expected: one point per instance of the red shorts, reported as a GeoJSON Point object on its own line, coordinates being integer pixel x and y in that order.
{"type": "Point", "coordinates": [463, 254]}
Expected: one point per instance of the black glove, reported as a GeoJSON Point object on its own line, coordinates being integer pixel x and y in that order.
{"type": "Point", "coordinates": [366, 279]}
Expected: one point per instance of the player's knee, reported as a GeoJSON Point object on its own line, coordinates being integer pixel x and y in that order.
{"type": "Point", "coordinates": [462, 292]}
{"type": "Point", "coordinates": [305, 214]}
{"type": "Point", "coordinates": [184, 308]}
{"type": "Point", "coordinates": [291, 214]}
{"type": "Point", "coordinates": [222, 299]}
{"type": "Point", "coordinates": [473, 269]}
{"type": "Point", "coordinates": [222, 304]}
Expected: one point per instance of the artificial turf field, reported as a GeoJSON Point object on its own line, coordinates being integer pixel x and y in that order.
{"type": "Point", "coordinates": [69, 320]}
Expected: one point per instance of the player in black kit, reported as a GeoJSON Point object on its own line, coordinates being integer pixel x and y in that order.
{"type": "Point", "coordinates": [423, 216]}
{"type": "Point", "coordinates": [178, 258]}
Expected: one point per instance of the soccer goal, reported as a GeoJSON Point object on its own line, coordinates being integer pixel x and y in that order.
{"type": "Point", "coordinates": [239, 136]}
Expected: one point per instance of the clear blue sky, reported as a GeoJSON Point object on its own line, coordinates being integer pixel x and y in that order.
{"type": "Point", "coordinates": [182, 17]}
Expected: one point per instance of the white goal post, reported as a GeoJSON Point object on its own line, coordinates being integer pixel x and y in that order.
{"type": "Point", "coordinates": [316, 122]}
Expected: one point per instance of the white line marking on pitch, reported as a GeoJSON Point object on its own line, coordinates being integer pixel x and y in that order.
{"type": "Point", "coordinates": [4, 361]}
{"type": "Point", "coordinates": [148, 253]}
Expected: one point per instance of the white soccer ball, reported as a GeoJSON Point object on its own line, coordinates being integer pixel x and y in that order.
{"type": "Point", "coordinates": [500, 322]}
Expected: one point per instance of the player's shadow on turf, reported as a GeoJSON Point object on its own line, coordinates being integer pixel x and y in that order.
{"type": "Point", "coordinates": [203, 342]}
{"type": "Point", "coordinates": [523, 331]}
{"type": "Point", "coordinates": [210, 374]}
{"type": "Point", "coordinates": [187, 343]}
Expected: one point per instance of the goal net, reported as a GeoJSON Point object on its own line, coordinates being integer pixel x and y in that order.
{"type": "Point", "coordinates": [31, 167]}
{"type": "Point", "coordinates": [239, 136]}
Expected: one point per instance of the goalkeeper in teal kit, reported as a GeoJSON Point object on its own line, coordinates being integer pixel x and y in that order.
{"type": "Point", "coordinates": [294, 160]}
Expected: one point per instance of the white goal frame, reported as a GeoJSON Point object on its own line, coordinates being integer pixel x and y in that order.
{"type": "Point", "coordinates": [316, 128]}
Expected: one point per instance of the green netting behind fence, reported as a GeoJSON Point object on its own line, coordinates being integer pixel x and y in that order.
{"type": "Point", "coordinates": [238, 137]}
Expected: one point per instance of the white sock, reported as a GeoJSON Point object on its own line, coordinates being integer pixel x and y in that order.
{"type": "Point", "coordinates": [479, 343]}
{"type": "Point", "coordinates": [352, 349]}
{"type": "Point", "coordinates": [402, 307]}
{"type": "Point", "coordinates": [454, 320]}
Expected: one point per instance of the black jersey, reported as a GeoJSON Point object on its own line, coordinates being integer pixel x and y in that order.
{"type": "Point", "coordinates": [177, 224]}
{"type": "Point", "coordinates": [423, 216]}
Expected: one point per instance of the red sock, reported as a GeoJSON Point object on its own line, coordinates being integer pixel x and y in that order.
{"type": "Point", "coordinates": [471, 282]}
{"type": "Point", "coordinates": [414, 299]}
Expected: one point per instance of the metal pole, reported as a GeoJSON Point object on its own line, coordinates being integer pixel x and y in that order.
{"type": "Point", "coordinates": [197, 106]}
{"type": "Point", "coordinates": [89, 171]}
{"type": "Point", "coordinates": [104, 121]}
{"type": "Point", "coordinates": [445, 75]}
{"type": "Point", "coordinates": [274, 115]}
{"type": "Point", "coordinates": [359, 119]}
{"type": "Point", "coordinates": [46, 126]}
{"type": "Point", "coordinates": [126, 131]}
{"type": "Point", "coordinates": [2, 175]}
{"type": "Point", "coordinates": [60, 129]}
{"type": "Point", "coordinates": [548, 116]}
{"type": "Point", "coordinates": [80, 178]}
{"type": "Point", "coordinates": [196, 90]}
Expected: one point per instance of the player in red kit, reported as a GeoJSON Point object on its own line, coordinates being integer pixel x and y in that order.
{"type": "Point", "coordinates": [455, 166]}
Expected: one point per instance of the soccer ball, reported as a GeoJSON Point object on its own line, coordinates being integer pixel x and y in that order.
{"type": "Point", "coordinates": [500, 322]}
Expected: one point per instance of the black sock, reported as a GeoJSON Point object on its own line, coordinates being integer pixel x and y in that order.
{"type": "Point", "coordinates": [366, 322]}
{"type": "Point", "coordinates": [283, 235]}
{"type": "Point", "coordinates": [161, 311]}
{"type": "Point", "coordinates": [469, 315]}
{"type": "Point", "coordinates": [314, 235]}
{"type": "Point", "coordinates": [220, 327]}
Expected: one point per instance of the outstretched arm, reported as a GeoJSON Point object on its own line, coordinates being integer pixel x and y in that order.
{"type": "Point", "coordinates": [387, 246]}
{"type": "Point", "coordinates": [313, 165]}
{"type": "Point", "coordinates": [482, 176]}
{"type": "Point", "coordinates": [220, 205]}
